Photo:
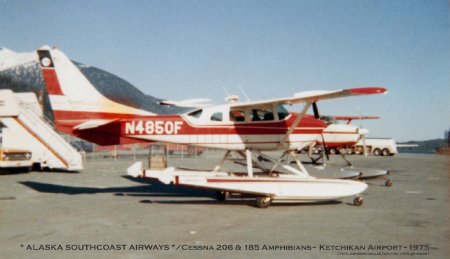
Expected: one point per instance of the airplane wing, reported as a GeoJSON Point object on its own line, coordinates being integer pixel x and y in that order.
{"type": "Point", "coordinates": [349, 119]}
{"type": "Point", "coordinates": [312, 96]}
{"type": "Point", "coordinates": [309, 98]}
{"type": "Point", "coordinates": [344, 118]}
{"type": "Point", "coordinates": [189, 103]}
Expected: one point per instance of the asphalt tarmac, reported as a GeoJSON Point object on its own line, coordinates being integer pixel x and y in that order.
{"type": "Point", "coordinates": [100, 212]}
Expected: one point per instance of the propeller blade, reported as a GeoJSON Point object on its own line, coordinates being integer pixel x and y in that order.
{"type": "Point", "coordinates": [316, 110]}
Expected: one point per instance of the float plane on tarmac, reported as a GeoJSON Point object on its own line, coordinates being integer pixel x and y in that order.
{"type": "Point", "coordinates": [247, 129]}
{"type": "Point", "coordinates": [335, 139]}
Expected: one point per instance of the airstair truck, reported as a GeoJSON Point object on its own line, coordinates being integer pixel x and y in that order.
{"type": "Point", "coordinates": [24, 128]}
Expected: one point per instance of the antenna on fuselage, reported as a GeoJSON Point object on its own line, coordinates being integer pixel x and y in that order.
{"type": "Point", "coordinates": [243, 92]}
{"type": "Point", "coordinates": [225, 90]}
{"type": "Point", "coordinates": [230, 98]}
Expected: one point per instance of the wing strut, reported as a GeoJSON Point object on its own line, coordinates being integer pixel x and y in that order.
{"type": "Point", "coordinates": [295, 124]}
{"type": "Point", "coordinates": [248, 154]}
{"type": "Point", "coordinates": [225, 157]}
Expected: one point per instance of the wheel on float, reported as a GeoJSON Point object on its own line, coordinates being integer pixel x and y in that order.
{"type": "Point", "coordinates": [343, 151]}
{"type": "Point", "coordinates": [358, 201]}
{"type": "Point", "coordinates": [388, 183]}
{"type": "Point", "coordinates": [222, 195]}
{"type": "Point", "coordinates": [263, 201]}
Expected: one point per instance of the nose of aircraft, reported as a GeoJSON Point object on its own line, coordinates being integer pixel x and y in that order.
{"type": "Point", "coordinates": [362, 131]}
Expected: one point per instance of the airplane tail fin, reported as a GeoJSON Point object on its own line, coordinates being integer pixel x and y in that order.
{"type": "Point", "coordinates": [72, 96]}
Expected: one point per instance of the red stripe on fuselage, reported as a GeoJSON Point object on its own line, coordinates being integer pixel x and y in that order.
{"type": "Point", "coordinates": [148, 126]}
{"type": "Point", "coordinates": [115, 132]}
{"type": "Point", "coordinates": [308, 124]}
{"type": "Point", "coordinates": [51, 81]}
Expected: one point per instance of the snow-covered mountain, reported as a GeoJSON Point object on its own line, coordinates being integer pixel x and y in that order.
{"type": "Point", "coordinates": [20, 72]}
{"type": "Point", "coordinates": [10, 59]}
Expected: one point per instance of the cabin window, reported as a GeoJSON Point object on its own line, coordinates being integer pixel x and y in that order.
{"type": "Point", "coordinates": [282, 112]}
{"type": "Point", "coordinates": [217, 116]}
{"type": "Point", "coordinates": [196, 114]}
{"type": "Point", "coordinates": [262, 115]}
{"type": "Point", "coordinates": [238, 116]}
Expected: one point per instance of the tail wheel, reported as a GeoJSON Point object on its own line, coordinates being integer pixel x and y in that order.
{"type": "Point", "coordinates": [263, 201]}
{"type": "Point", "coordinates": [358, 201]}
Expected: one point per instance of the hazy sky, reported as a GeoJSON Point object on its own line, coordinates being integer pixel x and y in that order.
{"type": "Point", "coordinates": [190, 49]}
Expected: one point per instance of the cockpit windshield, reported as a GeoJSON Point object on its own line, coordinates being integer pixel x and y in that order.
{"type": "Point", "coordinates": [262, 115]}
{"type": "Point", "coordinates": [196, 113]}
{"type": "Point", "coordinates": [282, 112]}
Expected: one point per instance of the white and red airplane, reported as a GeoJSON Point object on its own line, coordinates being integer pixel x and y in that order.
{"type": "Point", "coordinates": [248, 129]}
{"type": "Point", "coordinates": [335, 139]}
{"type": "Point", "coordinates": [337, 135]}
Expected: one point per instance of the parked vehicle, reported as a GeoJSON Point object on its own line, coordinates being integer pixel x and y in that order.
{"type": "Point", "coordinates": [375, 146]}
{"type": "Point", "coordinates": [15, 159]}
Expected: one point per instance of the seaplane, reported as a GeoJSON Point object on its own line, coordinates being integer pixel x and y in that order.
{"type": "Point", "coordinates": [335, 139]}
{"type": "Point", "coordinates": [245, 129]}
{"type": "Point", "coordinates": [337, 136]}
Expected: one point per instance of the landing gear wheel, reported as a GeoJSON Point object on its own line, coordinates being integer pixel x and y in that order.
{"type": "Point", "coordinates": [343, 151]}
{"type": "Point", "coordinates": [222, 195]}
{"type": "Point", "coordinates": [388, 183]}
{"type": "Point", "coordinates": [263, 201]}
{"type": "Point", "coordinates": [377, 152]}
{"type": "Point", "coordinates": [358, 201]}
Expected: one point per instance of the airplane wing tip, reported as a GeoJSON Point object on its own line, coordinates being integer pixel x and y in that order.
{"type": "Point", "coordinates": [368, 90]}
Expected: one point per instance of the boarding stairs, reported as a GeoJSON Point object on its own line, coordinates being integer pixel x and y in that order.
{"type": "Point", "coordinates": [26, 128]}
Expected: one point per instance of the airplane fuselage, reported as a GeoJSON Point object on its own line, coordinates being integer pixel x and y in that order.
{"type": "Point", "coordinates": [340, 135]}
{"type": "Point", "coordinates": [264, 135]}
{"type": "Point", "coordinates": [260, 135]}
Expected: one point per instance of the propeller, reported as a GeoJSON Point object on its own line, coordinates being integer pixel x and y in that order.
{"type": "Point", "coordinates": [315, 110]}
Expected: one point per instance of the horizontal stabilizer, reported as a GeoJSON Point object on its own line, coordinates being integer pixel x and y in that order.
{"type": "Point", "coordinates": [91, 124]}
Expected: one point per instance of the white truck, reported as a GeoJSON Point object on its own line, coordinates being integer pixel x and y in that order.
{"type": "Point", "coordinates": [376, 146]}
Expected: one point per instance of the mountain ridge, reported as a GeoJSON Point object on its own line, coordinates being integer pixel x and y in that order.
{"type": "Point", "coordinates": [20, 72]}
